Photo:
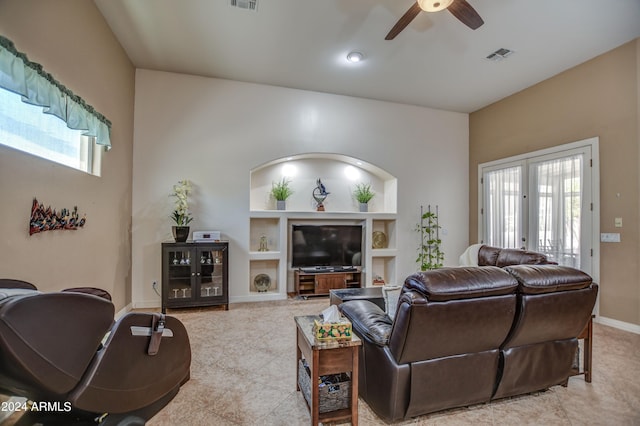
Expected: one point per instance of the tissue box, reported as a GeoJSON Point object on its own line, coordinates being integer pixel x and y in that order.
{"type": "Point", "coordinates": [332, 331]}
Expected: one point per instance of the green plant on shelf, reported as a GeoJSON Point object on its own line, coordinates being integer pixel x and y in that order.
{"type": "Point", "coordinates": [363, 192]}
{"type": "Point", "coordinates": [281, 190]}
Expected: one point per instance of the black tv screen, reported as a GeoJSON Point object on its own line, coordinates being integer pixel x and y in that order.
{"type": "Point", "coordinates": [326, 245]}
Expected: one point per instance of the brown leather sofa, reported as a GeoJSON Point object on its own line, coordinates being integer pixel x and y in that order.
{"type": "Point", "coordinates": [64, 348]}
{"type": "Point", "coordinates": [469, 335]}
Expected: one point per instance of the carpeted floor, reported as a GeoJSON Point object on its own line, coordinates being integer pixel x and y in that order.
{"type": "Point", "coordinates": [244, 370]}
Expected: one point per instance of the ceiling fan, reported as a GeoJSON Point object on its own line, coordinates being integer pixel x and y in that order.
{"type": "Point", "coordinates": [459, 8]}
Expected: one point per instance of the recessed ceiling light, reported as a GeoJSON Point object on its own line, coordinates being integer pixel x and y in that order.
{"type": "Point", "coordinates": [355, 57]}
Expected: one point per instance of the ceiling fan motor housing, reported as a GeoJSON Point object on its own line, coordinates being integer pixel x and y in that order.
{"type": "Point", "coordinates": [434, 6]}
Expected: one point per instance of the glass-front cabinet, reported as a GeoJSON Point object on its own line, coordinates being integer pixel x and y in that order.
{"type": "Point", "coordinates": [195, 274]}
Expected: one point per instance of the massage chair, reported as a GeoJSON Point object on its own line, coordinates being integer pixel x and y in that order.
{"type": "Point", "coordinates": [64, 353]}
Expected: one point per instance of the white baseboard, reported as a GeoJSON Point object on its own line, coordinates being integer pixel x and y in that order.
{"type": "Point", "coordinates": [262, 297]}
{"type": "Point", "coordinates": [122, 311]}
{"type": "Point", "coordinates": [146, 304]}
{"type": "Point", "coordinates": [626, 326]}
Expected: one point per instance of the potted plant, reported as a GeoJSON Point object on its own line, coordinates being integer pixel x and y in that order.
{"type": "Point", "coordinates": [281, 191]}
{"type": "Point", "coordinates": [181, 215]}
{"type": "Point", "coordinates": [429, 254]}
{"type": "Point", "coordinates": [363, 193]}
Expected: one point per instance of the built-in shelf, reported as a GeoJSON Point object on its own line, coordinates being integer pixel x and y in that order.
{"type": "Point", "coordinates": [273, 227]}
{"type": "Point", "coordinates": [265, 255]}
{"type": "Point", "coordinates": [383, 252]}
{"type": "Point", "coordinates": [384, 267]}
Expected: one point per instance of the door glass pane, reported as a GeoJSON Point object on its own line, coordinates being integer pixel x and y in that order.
{"type": "Point", "coordinates": [558, 186]}
{"type": "Point", "coordinates": [502, 207]}
{"type": "Point", "coordinates": [211, 273]}
{"type": "Point", "coordinates": [179, 274]}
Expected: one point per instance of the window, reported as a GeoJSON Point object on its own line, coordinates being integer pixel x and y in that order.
{"type": "Point", "coordinates": [26, 128]}
{"type": "Point", "coordinates": [40, 116]}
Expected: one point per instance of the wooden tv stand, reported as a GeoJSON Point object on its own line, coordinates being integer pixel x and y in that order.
{"type": "Point", "coordinates": [319, 283]}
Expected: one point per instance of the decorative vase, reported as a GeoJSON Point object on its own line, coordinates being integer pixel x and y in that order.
{"type": "Point", "coordinates": [180, 233]}
{"type": "Point", "coordinates": [281, 204]}
{"type": "Point", "coordinates": [364, 207]}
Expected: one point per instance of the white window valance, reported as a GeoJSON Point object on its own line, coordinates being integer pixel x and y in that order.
{"type": "Point", "coordinates": [37, 87]}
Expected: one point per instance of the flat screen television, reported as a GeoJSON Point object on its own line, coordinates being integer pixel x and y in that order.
{"type": "Point", "coordinates": [326, 245]}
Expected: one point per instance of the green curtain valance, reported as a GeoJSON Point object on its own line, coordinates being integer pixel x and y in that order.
{"type": "Point", "coordinates": [38, 87]}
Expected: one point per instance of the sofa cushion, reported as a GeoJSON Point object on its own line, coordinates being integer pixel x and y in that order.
{"type": "Point", "coordinates": [488, 256]}
{"type": "Point", "coordinates": [539, 279]}
{"type": "Point", "coordinates": [501, 257]}
{"type": "Point", "coordinates": [461, 283]}
{"type": "Point", "coordinates": [520, 257]}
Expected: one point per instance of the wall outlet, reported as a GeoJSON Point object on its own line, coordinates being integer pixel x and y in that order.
{"type": "Point", "coordinates": [618, 222]}
{"type": "Point", "coordinates": [613, 237]}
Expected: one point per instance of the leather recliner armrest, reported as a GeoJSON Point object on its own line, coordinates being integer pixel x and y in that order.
{"type": "Point", "coordinates": [368, 320]}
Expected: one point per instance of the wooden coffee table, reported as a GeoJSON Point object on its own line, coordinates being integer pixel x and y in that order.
{"type": "Point", "coordinates": [323, 359]}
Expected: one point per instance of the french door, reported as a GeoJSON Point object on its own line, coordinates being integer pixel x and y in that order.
{"type": "Point", "coordinates": [541, 202]}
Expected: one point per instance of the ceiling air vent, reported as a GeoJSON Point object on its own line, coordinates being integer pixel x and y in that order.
{"type": "Point", "coordinates": [500, 54]}
{"type": "Point", "coordinates": [245, 4]}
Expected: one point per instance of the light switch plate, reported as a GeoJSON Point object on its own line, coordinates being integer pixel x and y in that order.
{"type": "Point", "coordinates": [618, 222]}
{"type": "Point", "coordinates": [612, 237]}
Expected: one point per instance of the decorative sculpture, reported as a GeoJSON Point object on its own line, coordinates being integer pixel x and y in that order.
{"type": "Point", "coordinates": [45, 219]}
{"type": "Point", "coordinates": [320, 194]}
{"type": "Point", "coordinates": [263, 244]}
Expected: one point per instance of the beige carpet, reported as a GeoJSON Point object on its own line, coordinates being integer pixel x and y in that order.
{"type": "Point", "coordinates": [243, 373]}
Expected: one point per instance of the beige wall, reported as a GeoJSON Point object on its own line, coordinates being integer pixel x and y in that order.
{"type": "Point", "coordinates": [74, 44]}
{"type": "Point", "coordinates": [597, 98]}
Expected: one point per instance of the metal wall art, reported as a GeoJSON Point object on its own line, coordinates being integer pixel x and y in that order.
{"type": "Point", "coordinates": [45, 219]}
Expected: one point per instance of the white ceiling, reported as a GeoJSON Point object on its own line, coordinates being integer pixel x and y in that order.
{"type": "Point", "coordinates": [436, 61]}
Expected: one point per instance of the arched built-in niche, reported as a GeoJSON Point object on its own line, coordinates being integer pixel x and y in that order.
{"type": "Point", "coordinates": [339, 173]}
{"type": "Point", "coordinates": [269, 229]}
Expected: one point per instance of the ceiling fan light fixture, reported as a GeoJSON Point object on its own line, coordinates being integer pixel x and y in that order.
{"type": "Point", "coordinates": [434, 5]}
{"type": "Point", "coordinates": [354, 57]}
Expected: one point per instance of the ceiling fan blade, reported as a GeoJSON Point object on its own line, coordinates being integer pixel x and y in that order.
{"type": "Point", "coordinates": [466, 14]}
{"type": "Point", "coordinates": [404, 21]}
